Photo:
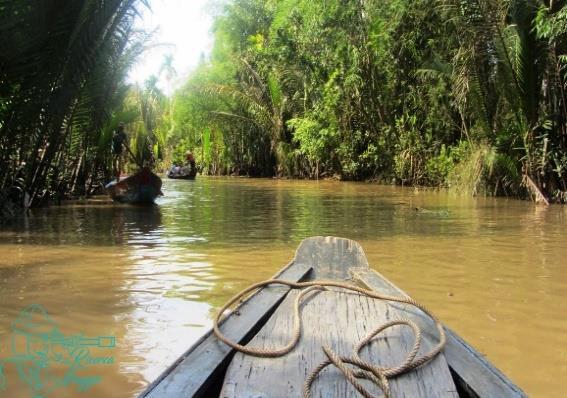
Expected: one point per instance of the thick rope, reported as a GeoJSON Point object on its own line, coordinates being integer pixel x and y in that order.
{"type": "Point", "coordinates": [379, 376]}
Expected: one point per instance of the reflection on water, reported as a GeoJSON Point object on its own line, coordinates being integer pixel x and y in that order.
{"type": "Point", "coordinates": [494, 270]}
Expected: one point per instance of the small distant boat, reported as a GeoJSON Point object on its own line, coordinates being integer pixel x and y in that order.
{"type": "Point", "coordinates": [143, 187]}
{"type": "Point", "coordinates": [190, 175]}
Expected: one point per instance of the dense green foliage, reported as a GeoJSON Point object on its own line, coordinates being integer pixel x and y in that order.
{"type": "Point", "coordinates": [461, 93]}
{"type": "Point", "coordinates": [464, 93]}
{"type": "Point", "coordinates": [62, 93]}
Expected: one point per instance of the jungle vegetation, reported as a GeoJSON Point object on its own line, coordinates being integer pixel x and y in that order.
{"type": "Point", "coordinates": [462, 93]}
{"type": "Point", "coordinates": [63, 67]}
{"type": "Point", "coordinates": [469, 94]}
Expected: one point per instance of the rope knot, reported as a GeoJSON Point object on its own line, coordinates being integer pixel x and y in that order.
{"type": "Point", "coordinates": [379, 376]}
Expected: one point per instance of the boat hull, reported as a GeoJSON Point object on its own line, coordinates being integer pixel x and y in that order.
{"type": "Point", "coordinates": [181, 177]}
{"type": "Point", "coordinates": [205, 369]}
{"type": "Point", "coordinates": [140, 188]}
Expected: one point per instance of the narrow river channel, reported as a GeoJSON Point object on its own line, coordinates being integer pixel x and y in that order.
{"type": "Point", "coordinates": [494, 270]}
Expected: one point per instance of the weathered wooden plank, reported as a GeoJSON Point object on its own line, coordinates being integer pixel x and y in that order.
{"type": "Point", "coordinates": [330, 257]}
{"type": "Point", "coordinates": [353, 317]}
{"type": "Point", "coordinates": [339, 320]}
{"type": "Point", "coordinates": [201, 366]}
{"type": "Point", "coordinates": [476, 374]}
{"type": "Point", "coordinates": [206, 361]}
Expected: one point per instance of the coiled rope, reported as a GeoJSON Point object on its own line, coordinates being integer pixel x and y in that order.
{"type": "Point", "coordinates": [378, 375]}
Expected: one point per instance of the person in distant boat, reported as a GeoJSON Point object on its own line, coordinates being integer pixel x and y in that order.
{"type": "Point", "coordinates": [118, 142]}
{"type": "Point", "coordinates": [175, 169]}
{"type": "Point", "coordinates": [190, 160]}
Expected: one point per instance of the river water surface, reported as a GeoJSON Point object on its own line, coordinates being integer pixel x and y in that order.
{"type": "Point", "coordinates": [494, 270]}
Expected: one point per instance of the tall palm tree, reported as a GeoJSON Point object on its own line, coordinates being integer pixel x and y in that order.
{"type": "Point", "coordinates": [50, 51]}
{"type": "Point", "coordinates": [258, 101]}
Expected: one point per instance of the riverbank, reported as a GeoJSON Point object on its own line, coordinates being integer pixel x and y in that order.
{"type": "Point", "coordinates": [530, 190]}
{"type": "Point", "coordinates": [9, 210]}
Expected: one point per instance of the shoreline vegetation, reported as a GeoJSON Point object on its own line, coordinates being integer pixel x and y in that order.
{"type": "Point", "coordinates": [467, 95]}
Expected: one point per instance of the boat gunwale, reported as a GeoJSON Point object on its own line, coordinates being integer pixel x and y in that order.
{"type": "Point", "coordinates": [148, 391]}
{"type": "Point", "coordinates": [467, 387]}
{"type": "Point", "coordinates": [456, 348]}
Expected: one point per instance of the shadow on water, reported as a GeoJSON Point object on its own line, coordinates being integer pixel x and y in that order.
{"type": "Point", "coordinates": [84, 224]}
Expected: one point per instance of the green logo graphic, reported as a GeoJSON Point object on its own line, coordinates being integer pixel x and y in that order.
{"type": "Point", "coordinates": [47, 360]}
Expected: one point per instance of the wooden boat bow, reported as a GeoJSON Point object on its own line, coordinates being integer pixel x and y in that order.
{"type": "Point", "coordinates": [210, 367]}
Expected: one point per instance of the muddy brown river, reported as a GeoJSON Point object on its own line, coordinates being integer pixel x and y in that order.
{"type": "Point", "coordinates": [131, 288]}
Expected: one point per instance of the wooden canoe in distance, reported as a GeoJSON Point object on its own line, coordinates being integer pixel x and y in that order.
{"type": "Point", "coordinates": [140, 188]}
{"type": "Point", "coordinates": [189, 176]}
{"type": "Point", "coordinates": [211, 368]}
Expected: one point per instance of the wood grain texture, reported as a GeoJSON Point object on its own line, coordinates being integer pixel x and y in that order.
{"type": "Point", "coordinates": [330, 257]}
{"type": "Point", "coordinates": [479, 376]}
{"type": "Point", "coordinates": [339, 320]}
{"type": "Point", "coordinates": [205, 362]}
